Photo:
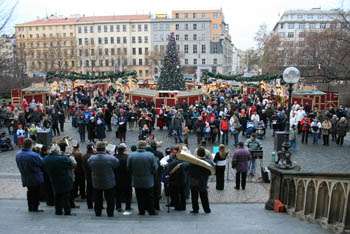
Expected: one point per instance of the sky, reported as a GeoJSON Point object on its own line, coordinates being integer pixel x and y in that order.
{"type": "Point", "coordinates": [243, 16]}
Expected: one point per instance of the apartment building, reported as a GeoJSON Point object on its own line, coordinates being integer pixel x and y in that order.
{"type": "Point", "coordinates": [112, 43]}
{"type": "Point", "coordinates": [294, 24]}
{"type": "Point", "coordinates": [47, 44]}
{"type": "Point", "coordinates": [131, 42]}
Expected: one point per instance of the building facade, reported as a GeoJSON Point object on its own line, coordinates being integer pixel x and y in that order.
{"type": "Point", "coordinates": [130, 42]}
{"type": "Point", "coordinates": [294, 24]}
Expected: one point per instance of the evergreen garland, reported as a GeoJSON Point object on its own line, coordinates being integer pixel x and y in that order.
{"type": "Point", "coordinates": [112, 76]}
{"type": "Point", "coordinates": [171, 77]}
{"type": "Point", "coordinates": [240, 78]}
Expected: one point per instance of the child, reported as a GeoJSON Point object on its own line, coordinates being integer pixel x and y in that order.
{"type": "Point", "coordinates": [20, 136]}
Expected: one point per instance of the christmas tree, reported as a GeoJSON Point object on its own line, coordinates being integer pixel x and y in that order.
{"type": "Point", "coordinates": [171, 77]}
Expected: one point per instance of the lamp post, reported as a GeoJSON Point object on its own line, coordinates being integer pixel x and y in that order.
{"type": "Point", "coordinates": [291, 76]}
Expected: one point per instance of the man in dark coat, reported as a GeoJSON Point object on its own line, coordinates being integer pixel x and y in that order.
{"type": "Point", "coordinates": [30, 165]}
{"type": "Point", "coordinates": [142, 166]}
{"type": "Point", "coordinates": [157, 189]}
{"type": "Point", "coordinates": [199, 182]}
{"type": "Point", "coordinates": [59, 168]}
{"type": "Point", "coordinates": [103, 169]}
{"type": "Point", "coordinates": [123, 188]}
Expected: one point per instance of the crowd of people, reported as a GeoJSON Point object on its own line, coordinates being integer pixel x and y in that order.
{"type": "Point", "coordinates": [58, 176]}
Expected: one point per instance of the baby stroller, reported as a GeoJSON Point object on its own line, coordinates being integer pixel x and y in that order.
{"type": "Point", "coordinates": [260, 130]}
{"type": "Point", "coordinates": [5, 143]}
{"type": "Point", "coordinates": [250, 129]}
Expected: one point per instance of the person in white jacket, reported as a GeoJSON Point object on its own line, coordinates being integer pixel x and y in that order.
{"type": "Point", "coordinates": [255, 118]}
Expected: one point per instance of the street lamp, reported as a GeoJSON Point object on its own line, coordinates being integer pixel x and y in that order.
{"type": "Point", "coordinates": [291, 76]}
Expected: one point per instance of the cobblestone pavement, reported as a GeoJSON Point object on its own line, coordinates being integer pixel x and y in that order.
{"type": "Point", "coordinates": [311, 158]}
{"type": "Point", "coordinates": [225, 218]}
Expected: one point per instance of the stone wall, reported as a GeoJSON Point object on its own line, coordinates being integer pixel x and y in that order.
{"type": "Point", "coordinates": [321, 198]}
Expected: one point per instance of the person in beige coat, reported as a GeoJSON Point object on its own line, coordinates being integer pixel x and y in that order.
{"type": "Point", "coordinates": [326, 130]}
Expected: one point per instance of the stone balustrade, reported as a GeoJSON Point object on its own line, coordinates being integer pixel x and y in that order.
{"type": "Point", "coordinates": [314, 197]}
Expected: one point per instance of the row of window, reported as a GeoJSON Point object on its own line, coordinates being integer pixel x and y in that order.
{"type": "Point", "coordinates": [186, 49]}
{"type": "Point", "coordinates": [48, 65]}
{"type": "Point", "coordinates": [113, 28]}
{"type": "Point", "coordinates": [112, 40]}
{"type": "Point", "coordinates": [50, 27]}
{"type": "Point", "coordinates": [50, 35]}
{"type": "Point", "coordinates": [195, 61]}
{"type": "Point", "coordinates": [186, 37]}
{"type": "Point", "coordinates": [112, 51]}
{"type": "Point", "coordinates": [308, 16]}
{"type": "Point", "coordinates": [45, 44]}
{"type": "Point", "coordinates": [195, 15]}
{"type": "Point", "coordinates": [112, 62]}
{"type": "Point", "coordinates": [309, 26]}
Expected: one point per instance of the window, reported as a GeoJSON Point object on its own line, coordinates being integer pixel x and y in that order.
{"type": "Point", "coordinates": [300, 16]}
{"type": "Point", "coordinates": [112, 40]}
{"type": "Point", "coordinates": [140, 62]}
{"type": "Point", "coordinates": [203, 61]}
{"type": "Point", "coordinates": [99, 28]}
{"type": "Point", "coordinates": [216, 15]}
{"type": "Point", "coordinates": [100, 52]}
{"type": "Point", "coordinates": [105, 28]}
{"type": "Point", "coordinates": [92, 52]}
{"type": "Point", "coordinates": [177, 26]}
{"type": "Point", "coordinates": [139, 28]}
{"type": "Point", "coordinates": [93, 63]}
{"type": "Point", "coordinates": [194, 15]}
{"type": "Point", "coordinates": [133, 40]}
{"type": "Point", "coordinates": [290, 34]}
{"type": "Point", "coordinates": [111, 28]}
{"type": "Point", "coordinates": [124, 28]}
{"type": "Point", "coordinates": [310, 16]}
{"type": "Point", "coordinates": [91, 29]}
{"type": "Point", "coordinates": [140, 73]}
{"type": "Point", "coordinates": [92, 41]}
{"type": "Point", "coordinates": [134, 51]}
{"type": "Point", "coordinates": [112, 62]}
{"type": "Point", "coordinates": [194, 49]}
{"type": "Point", "coordinates": [186, 49]}
{"type": "Point", "coordinates": [133, 28]}
{"type": "Point", "coordinates": [186, 26]}
{"type": "Point", "coordinates": [118, 28]}
{"type": "Point", "coordinates": [125, 51]}
{"type": "Point", "coordinates": [87, 63]}
{"type": "Point", "coordinates": [118, 51]}
{"type": "Point", "coordinates": [106, 40]}
{"type": "Point", "coordinates": [177, 15]}
{"type": "Point", "coordinates": [139, 39]}
{"type": "Point", "coordinates": [186, 61]}
{"type": "Point", "coordinates": [79, 29]}
{"type": "Point", "coordinates": [312, 26]}
{"type": "Point", "coordinates": [216, 26]}
{"type": "Point", "coordinates": [195, 37]}
{"type": "Point", "coordinates": [134, 62]}
{"type": "Point", "coordinates": [301, 26]}
{"type": "Point", "coordinates": [323, 26]}
{"type": "Point", "coordinates": [194, 61]}
{"type": "Point", "coordinates": [177, 37]}
{"type": "Point", "coordinates": [145, 27]}
{"type": "Point", "coordinates": [146, 72]}
{"type": "Point", "coordinates": [106, 62]}
{"type": "Point", "coordinates": [86, 41]}
{"type": "Point", "coordinates": [85, 29]}
{"type": "Point", "coordinates": [204, 49]}
{"type": "Point", "coordinates": [146, 51]}
{"type": "Point", "coordinates": [101, 63]}
{"type": "Point", "coordinates": [99, 40]}
{"type": "Point", "coordinates": [118, 40]}
{"type": "Point", "coordinates": [291, 26]}
{"type": "Point", "coordinates": [186, 37]}
{"type": "Point", "coordinates": [145, 39]}
{"type": "Point", "coordinates": [194, 26]}
{"type": "Point", "coordinates": [106, 51]}
{"type": "Point", "coordinates": [215, 61]}
{"type": "Point", "coordinates": [80, 41]}
{"type": "Point", "coordinates": [80, 52]}
{"type": "Point", "coordinates": [140, 51]}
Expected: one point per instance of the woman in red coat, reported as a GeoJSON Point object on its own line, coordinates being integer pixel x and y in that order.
{"type": "Point", "coordinates": [305, 128]}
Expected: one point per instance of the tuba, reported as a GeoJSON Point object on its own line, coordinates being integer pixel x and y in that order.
{"type": "Point", "coordinates": [184, 155]}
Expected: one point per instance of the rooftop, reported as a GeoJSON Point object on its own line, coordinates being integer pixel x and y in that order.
{"type": "Point", "coordinates": [84, 19]}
